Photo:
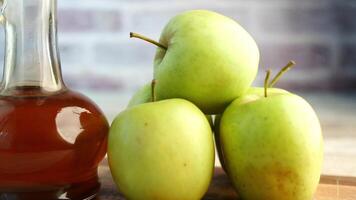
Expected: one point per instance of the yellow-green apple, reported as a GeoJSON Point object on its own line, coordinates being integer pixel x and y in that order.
{"type": "Point", "coordinates": [272, 146]}
{"type": "Point", "coordinates": [142, 95]}
{"type": "Point", "coordinates": [206, 58]}
{"type": "Point", "coordinates": [161, 150]}
{"type": "Point", "coordinates": [251, 93]}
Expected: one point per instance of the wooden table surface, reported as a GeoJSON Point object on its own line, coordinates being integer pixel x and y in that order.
{"type": "Point", "coordinates": [330, 187]}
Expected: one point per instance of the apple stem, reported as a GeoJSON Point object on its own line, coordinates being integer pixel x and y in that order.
{"type": "Point", "coordinates": [153, 90]}
{"type": "Point", "coordinates": [268, 73]}
{"type": "Point", "coordinates": [281, 72]}
{"type": "Point", "coordinates": [136, 35]}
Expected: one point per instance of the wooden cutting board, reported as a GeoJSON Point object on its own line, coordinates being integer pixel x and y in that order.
{"type": "Point", "coordinates": [330, 187]}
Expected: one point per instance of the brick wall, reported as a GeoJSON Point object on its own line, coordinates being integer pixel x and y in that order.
{"type": "Point", "coordinates": [320, 35]}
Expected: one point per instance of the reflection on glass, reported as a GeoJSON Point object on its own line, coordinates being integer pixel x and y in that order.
{"type": "Point", "coordinates": [68, 123]}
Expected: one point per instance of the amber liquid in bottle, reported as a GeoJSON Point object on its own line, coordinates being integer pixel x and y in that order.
{"type": "Point", "coordinates": [49, 144]}
{"type": "Point", "coordinates": [51, 138]}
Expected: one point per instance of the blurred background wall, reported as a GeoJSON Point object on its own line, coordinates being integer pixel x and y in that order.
{"type": "Point", "coordinates": [97, 54]}
{"type": "Point", "coordinates": [320, 35]}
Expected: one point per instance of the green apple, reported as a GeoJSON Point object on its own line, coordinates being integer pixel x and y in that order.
{"type": "Point", "coordinates": [144, 95]}
{"type": "Point", "coordinates": [206, 58]}
{"type": "Point", "coordinates": [251, 93]}
{"type": "Point", "coordinates": [161, 150]}
{"type": "Point", "coordinates": [272, 146]}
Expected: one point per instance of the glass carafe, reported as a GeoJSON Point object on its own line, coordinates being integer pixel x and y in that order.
{"type": "Point", "coordinates": [51, 138]}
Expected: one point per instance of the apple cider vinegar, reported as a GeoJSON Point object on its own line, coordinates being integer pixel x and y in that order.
{"type": "Point", "coordinates": [49, 143]}
{"type": "Point", "coordinates": [51, 138]}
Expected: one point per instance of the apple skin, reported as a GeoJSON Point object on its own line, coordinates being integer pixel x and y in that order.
{"type": "Point", "coordinates": [211, 60]}
{"type": "Point", "coordinates": [273, 147]}
{"type": "Point", "coordinates": [144, 95]}
{"type": "Point", "coordinates": [162, 150]}
{"type": "Point", "coordinates": [252, 92]}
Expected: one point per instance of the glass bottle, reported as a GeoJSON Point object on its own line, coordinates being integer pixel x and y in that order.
{"type": "Point", "coordinates": [51, 138]}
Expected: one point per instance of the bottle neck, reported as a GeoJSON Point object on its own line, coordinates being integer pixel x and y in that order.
{"type": "Point", "coordinates": [31, 59]}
